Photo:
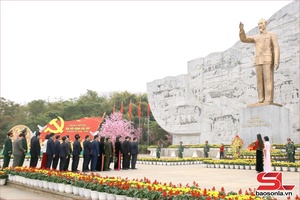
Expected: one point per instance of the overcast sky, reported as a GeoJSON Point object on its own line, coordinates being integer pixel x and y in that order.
{"type": "Point", "coordinates": [54, 50]}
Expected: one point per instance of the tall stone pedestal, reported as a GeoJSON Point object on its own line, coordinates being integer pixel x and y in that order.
{"type": "Point", "coordinates": [268, 120]}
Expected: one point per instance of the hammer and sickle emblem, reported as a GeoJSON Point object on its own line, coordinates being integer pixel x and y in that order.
{"type": "Point", "coordinates": [59, 129]}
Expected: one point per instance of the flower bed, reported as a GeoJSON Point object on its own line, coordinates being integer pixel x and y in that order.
{"type": "Point", "coordinates": [144, 188]}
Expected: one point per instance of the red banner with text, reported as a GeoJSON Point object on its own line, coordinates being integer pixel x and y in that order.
{"type": "Point", "coordinates": [84, 126]}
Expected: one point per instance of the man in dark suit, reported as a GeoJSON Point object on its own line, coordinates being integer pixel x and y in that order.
{"type": "Point", "coordinates": [95, 152]}
{"type": "Point", "coordinates": [7, 151]}
{"type": "Point", "coordinates": [35, 149]}
{"type": "Point", "coordinates": [68, 141]}
{"type": "Point", "coordinates": [126, 153]}
{"type": "Point", "coordinates": [100, 162]}
{"type": "Point", "coordinates": [50, 151]}
{"type": "Point", "coordinates": [57, 149]}
{"type": "Point", "coordinates": [134, 150]}
{"type": "Point", "coordinates": [63, 154]}
{"type": "Point", "coordinates": [87, 152]}
{"type": "Point", "coordinates": [76, 153]}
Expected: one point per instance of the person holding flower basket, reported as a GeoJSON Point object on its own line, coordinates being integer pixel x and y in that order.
{"type": "Point", "coordinates": [258, 145]}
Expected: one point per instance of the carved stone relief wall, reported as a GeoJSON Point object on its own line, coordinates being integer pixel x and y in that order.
{"type": "Point", "coordinates": [204, 104]}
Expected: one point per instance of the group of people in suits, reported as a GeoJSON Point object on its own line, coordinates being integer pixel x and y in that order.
{"type": "Point", "coordinates": [98, 154]}
{"type": "Point", "coordinates": [59, 150]}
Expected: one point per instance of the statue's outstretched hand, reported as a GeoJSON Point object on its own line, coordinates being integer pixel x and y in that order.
{"type": "Point", "coordinates": [276, 66]}
{"type": "Point", "coordinates": [241, 26]}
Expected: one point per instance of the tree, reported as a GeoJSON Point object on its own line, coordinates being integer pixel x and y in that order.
{"type": "Point", "coordinates": [114, 125]}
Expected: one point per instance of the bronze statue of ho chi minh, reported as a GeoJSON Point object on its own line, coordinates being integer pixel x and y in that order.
{"type": "Point", "coordinates": [265, 60]}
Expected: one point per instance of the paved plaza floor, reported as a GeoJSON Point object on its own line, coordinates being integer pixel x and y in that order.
{"type": "Point", "coordinates": [230, 179]}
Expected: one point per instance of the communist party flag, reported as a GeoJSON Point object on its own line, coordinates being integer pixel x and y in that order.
{"type": "Point", "coordinates": [148, 110]}
{"type": "Point", "coordinates": [140, 109]}
{"type": "Point", "coordinates": [121, 108]}
{"type": "Point", "coordinates": [130, 110]}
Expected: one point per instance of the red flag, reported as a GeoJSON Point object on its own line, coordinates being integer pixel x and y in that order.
{"type": "Point", "coordinates": [140, 109]}
{"type": "Point", "coordinates": [148, 110]}
{"type": "Point", "coordinates": [130, 110]}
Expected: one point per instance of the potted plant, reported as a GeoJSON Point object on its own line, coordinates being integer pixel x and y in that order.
{"type": "Point", "coordinates": [3, 177]}
{"type": "Point", "coordinates": [277, 166]}
{"type": "Point", "coordinates": [101, 189]}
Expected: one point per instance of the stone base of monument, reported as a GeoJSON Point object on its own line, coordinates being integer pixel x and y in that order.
{"type": "Point", "coordinates": [270, 120]}
{"type": "Point", "coordinates": [263, 104]}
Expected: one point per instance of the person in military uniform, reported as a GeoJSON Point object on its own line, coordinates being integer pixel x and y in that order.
{"type": "Point", "coordinates": [180, 150]}
{"type": "Point", "coordinates": [158, 150]}
{"type": "Point", "coordinates": [290, 149]}
{"type": "Point", "coordinates": [206, 149]}
{"type": "Point", "coordinates": [107, 152]}
{"type": "Point", "coordinates": [7, 151]}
